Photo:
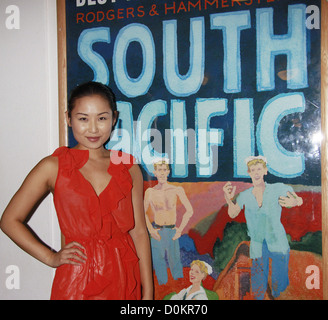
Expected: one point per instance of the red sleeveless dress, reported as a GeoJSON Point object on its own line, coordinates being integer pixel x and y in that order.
{"type": "Point", "coordinates": [101, 224]}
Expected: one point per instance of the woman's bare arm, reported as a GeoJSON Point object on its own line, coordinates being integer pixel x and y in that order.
{"type": "Point", "coordinates": [38, 183]}
{"type": "Point", "coordinates": [140, 235]}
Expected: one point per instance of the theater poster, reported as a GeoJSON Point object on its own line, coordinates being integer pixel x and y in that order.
{"type": "Point", "coordinates": [220, 103]}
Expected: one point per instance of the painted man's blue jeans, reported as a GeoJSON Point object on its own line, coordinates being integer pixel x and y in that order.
{"type": "Point", "coordinates": [170, 248]}
{"type": "Point", "coordinates": [260, 272]}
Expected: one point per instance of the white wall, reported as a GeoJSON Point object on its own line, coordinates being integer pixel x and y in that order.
{"type": "Point", "coordinates": [28, 132]}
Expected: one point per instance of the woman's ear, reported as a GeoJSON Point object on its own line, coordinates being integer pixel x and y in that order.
{"type": "Point", "coordinates": [115, 118]}
{"type": "Point", "coordinates": [68, 119]}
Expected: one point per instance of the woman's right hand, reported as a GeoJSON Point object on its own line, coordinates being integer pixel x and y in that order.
{"type": "Point", "coordinates": [71, 254]}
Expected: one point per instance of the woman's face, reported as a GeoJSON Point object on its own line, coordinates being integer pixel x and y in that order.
{"type": "Point", "coordinates": [92, 121]}
{"type": "Point", "coordinates": [195, 274]}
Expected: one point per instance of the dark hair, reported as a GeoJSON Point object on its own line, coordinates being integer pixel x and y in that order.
{"type": "Point", "coordinates": [89, 89]}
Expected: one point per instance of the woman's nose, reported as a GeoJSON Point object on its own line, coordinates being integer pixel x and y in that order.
{"type": "Point", "coordinates": [93, 126]}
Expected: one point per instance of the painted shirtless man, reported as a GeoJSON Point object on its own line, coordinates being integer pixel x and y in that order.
{"type": "Point", "coordinates": [263, 204]}
{"type": "Point", "coordinates": [162, 199]}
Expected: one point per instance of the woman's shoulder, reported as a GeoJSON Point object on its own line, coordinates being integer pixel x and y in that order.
{"type": "Point", "coordinates": [119, 157]}
{"type": "Point", "coordinates": [48, 165]}
{"type": "Point", "coordinates": [48, 162]}
{"type": "Point", "coordinates": [71, 158]}
{"type": "Point", "coordinates": [126, 162]}
{"type": "Point", "coordinates": [44, 173]}
{"type": "Point", "coordinates": [60, 151]}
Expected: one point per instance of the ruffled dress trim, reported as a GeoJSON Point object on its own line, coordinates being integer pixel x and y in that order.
{"type": "Point", "coordinates": [72, 160]}
{"type": "Point", "coordinates": [119, 187]}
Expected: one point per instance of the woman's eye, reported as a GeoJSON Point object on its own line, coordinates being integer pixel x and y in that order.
{"type": "Point", "coordinates": [103, 118]}
{"type": "Point", "coordinates": [83, 119]}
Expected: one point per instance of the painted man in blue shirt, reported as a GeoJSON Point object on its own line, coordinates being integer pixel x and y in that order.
{"type": "Point", "coordinates": [263, 205]}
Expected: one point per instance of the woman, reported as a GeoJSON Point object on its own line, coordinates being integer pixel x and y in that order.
{"type": "Point", "coordinates": [98, 196]}
{"type": "Point", "coordinates": [198, 272]}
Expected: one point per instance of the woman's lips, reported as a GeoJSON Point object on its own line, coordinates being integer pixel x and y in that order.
{"type": "Point", "coordinates": [93, 139]}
